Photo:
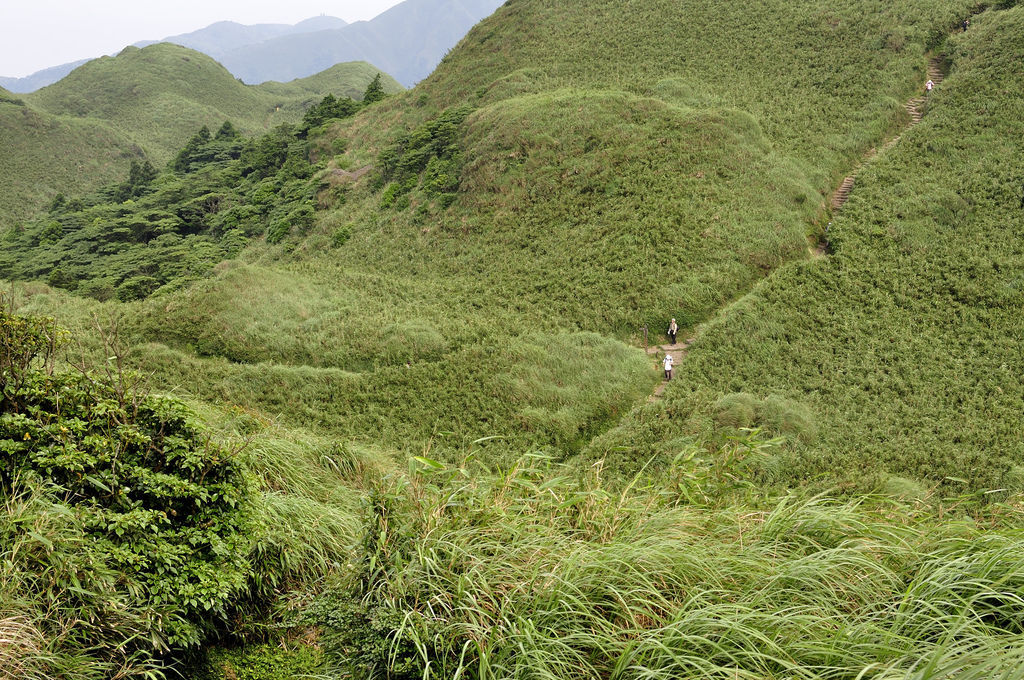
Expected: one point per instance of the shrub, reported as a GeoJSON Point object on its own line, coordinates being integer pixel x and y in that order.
{"type": "Point", "coordinates": [154, 499]}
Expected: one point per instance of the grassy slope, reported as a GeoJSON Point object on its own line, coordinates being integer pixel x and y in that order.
{"type": "Point", "coordinates": [603, 189]}
{"type": "Point", "coordinates": [43, 155]}
{"type": "Point", "coordinates": [142, 102]}
{"type": "Point", "coordinates": [903, 347]}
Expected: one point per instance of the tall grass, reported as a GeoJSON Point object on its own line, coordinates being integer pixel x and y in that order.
{"type": "Point", "coordinates": [64, 613]}
{"type": "Point", "coordinates": [528, 574]}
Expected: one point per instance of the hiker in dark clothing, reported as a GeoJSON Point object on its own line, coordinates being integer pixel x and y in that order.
{"type": "Point", "coordinates": [966, 24]}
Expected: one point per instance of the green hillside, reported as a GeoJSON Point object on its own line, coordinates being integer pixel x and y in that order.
{"type": "Point", "coordinates": [143, 103]}
{"type": "Point", "coordinates": [901, 346]}
{"type": "Point", "coordinates": [538, 213]}
{"type": "Point", "coordinates": [159, 95]}
{"type": "Point", "coordinates": [43, 155]}
{"type": "Point", "coordinates": [343, 80]}
{"type": "Point", "coordinates": [423, 359]}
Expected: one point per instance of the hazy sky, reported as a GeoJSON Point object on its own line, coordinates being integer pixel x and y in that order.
{"type": "Point", "coordinates": [42, 33]}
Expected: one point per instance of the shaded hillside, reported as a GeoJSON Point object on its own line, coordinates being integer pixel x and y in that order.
{"type": "Point", "coordinates": [43, 155]}
{"type": "Point", "coordinates": [156, 231]}
{"type": "Point", "coordinates": [144, 102]}
{"type": "Point", "coordinates": [406, 41]}
{"type": "Point", "coordinates": [898, 356]}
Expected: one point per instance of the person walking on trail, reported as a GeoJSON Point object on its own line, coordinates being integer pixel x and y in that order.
{"type": "Point", "coordinates": [929, 85]}
{"type": "Point", "coordinates": [966, 24]}
{"type": "Point", "coordinates": [667, 362]}
{"type": "Point", "coordinates": [673, 328]}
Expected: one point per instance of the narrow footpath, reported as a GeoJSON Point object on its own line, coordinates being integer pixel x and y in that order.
{"type": "Point", "coordinates": [916, 107]}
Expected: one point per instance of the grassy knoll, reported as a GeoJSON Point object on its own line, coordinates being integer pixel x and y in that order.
{"type": "Point", "coordinates": [902, 349]}
{"type": "Point", "coordinates": [822, 79]}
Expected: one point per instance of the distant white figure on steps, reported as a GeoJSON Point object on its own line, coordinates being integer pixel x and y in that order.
{"type": "Point", "coordinates": [667, 362]}
{"type": "Point", "coordinates": [929, 85]}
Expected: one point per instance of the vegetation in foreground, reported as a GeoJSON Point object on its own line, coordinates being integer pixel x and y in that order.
{"type": "Point", "coordinates": [129, 538]}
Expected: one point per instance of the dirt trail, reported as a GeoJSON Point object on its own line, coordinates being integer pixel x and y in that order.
{"type": "Point", "coordinates": [678, 351]}
{"type": "Point", "coordinates": [915, 106]}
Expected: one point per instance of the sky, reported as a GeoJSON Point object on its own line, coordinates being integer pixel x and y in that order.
{"type": "Point", "coordinates": [37, 34]}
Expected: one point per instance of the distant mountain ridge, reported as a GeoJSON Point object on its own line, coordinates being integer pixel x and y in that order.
{"type": "Point", "coordinates": [406, 41]}
{"type": "Point", "coordinates": [224, 36]}
{"type": "Point", "coordinates": [39, 79]}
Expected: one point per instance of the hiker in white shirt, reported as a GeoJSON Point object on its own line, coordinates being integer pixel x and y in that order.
{"type": "Point", "coordinates": [929, 85]}
{"type": "Point", "coordinates": [667, 361]}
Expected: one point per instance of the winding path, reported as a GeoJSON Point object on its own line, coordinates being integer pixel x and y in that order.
{"type": "Point", "coordinates": [914, 106]}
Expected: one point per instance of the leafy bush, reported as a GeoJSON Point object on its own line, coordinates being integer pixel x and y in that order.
{"type": "Point", "coordinates": [155, 501]}
{"type": "Point", "coordinates": [129, 239]}
{"type": "Point", "coordinates": [263, 662]}
{"type": "Point", "coordinates": [429, 156]}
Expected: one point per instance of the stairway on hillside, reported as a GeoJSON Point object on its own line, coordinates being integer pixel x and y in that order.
{"type": "Point", "coordinates": [915, 107]}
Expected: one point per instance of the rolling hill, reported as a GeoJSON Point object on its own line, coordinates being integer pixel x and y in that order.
{"type": "Point", "coordinates": [142, 103]}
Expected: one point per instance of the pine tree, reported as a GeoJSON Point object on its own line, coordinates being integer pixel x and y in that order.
{"type": "Point", "coordinates": [374, 91]}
